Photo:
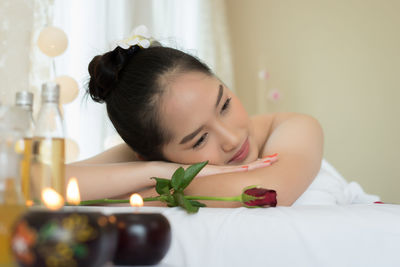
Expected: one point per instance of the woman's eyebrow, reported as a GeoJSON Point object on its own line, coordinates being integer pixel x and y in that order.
{"type": "Point", "coordinates": [220, 93]}
{"type": "Point", "coordinates": [189, 137]}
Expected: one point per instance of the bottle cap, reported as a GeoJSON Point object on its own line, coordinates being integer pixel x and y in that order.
{"type": "Point", "coordinates": [50, 92]}
{"type": "Point", "coordinates": [24, 99]}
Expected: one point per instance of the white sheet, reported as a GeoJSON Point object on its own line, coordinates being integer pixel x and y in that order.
{"type": "Point", "coordinates": [334, 223]}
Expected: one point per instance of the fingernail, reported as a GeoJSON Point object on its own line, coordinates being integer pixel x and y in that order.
{"type": "Point", "coordinates": [271, 156]}
{"type": "Point", "coordinates": [267, 161]}
{"type": "Point", "coordinates": [245, 167]}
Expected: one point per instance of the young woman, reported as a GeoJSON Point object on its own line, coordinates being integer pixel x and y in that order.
{"type": "Point", "coordinates": [172, 111]}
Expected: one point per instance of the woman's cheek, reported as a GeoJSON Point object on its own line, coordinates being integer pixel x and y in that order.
{"type": "Point", "coordinates": [211, 154]}
{"type": "Point", "coordinates": [238, 110]}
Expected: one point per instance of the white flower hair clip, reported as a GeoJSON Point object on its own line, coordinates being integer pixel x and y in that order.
{"type": "Point", "coordinates": [139, 36]}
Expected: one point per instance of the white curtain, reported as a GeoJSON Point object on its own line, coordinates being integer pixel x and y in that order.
{"type": "Point", "coordinates": [91, 26]}
{"type": "Point", "coordinates": [16, 19]}
{"type": "Point", "coordinates": [198, 27]}
{"type": "Point", "coordinates": [195, 26]}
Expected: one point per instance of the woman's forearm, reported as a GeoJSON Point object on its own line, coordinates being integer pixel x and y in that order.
{"type": "Point", "coordinates": [116, 179]}
{"type": "Point", "coordinates": [290, 176]}
{"type": "Point", "coordinates": [119, 180]}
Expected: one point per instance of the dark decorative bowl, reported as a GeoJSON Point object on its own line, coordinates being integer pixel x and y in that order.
{"type": "Point", "coordinates": [143, 238]}
{"type": "Point", "coordinates": [64, 239]}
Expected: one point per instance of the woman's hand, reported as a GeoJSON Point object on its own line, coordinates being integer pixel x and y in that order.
{"type": "Point", "coordinates": [259, 163]}
{"type": "Point", "coordinates": [166, 169]}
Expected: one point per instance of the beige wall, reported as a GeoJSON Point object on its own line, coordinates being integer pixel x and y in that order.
{"type": "Point", "coordinates": [336, 60]}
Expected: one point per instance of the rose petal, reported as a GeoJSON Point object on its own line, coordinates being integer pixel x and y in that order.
{"type": "Point", "coordinates": [267, 197]}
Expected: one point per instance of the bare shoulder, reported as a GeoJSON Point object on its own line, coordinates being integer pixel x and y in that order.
{"type": "Point", "coordinates": [267, 120]}
{"type": "Point", "coordinates": [263, 122]}
{"type": "Point", "coordinates": [265, 127]}
{"type": "Point", "coordinates": [116, 154]}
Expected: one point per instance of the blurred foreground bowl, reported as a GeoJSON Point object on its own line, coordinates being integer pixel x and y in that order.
{"type": "Point", "coordinates": [143, 238]}
{"type": "Point", "coordinates": [63, 238]}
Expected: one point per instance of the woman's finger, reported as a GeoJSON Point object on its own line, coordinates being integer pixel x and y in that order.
{"type": "Point", "coordinates": [260, 163]}
{"type": "Point", "coordinates": [264, 162]}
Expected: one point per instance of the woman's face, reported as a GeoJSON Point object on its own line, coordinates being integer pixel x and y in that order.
{"type": "Point", "coordinates": [207, 122]}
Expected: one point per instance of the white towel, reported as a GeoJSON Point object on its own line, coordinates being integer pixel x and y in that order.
{"type": "Point", "coordinates": [330, 188]}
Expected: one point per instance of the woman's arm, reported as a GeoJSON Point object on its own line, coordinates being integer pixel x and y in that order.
{"type": "Point", "coordinates": [118, 172]}
{"type": "Point", "coordinates": [115, 172]}
{"type": "Point", "coordinates": [110, 180]}
{"type": "Point", "coordinates": [298, 139]}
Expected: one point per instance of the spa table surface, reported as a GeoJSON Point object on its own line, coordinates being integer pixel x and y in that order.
{"type": "Point", "coordinates": [305, 235]}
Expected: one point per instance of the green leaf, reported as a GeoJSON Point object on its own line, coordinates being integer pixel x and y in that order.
{"type": "Point", "coordinates": [170, 200]}
{"type": "Point", "coordinates": [184, 203]}
{"type": "Point", "coordinates": [197, 204]}
{"type": "Point", "coordinates": [163, 186]}
{"type": "Point", "coordinates": [191, 172]}
{"type": "Point", "coordinates": [178, 196]}
{"type": "Point", "coordinates": [189, 207]}
{"type": "Point", "coordinates": [177, 178]}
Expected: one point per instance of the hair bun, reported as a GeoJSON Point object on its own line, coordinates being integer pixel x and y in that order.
{"type": "Point", "coordinates": [104, 72]}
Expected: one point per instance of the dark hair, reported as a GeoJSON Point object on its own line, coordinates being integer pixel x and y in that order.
{"type": "Point", "coordinates": [131, 82]}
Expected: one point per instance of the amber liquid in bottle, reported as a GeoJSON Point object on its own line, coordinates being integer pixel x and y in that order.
{"type": "Point", "coordinates": [47, 166]}
{"type": "Point", "coordinates": [24, 101]}
{"type": "Point", "coordinates": [25, 168]}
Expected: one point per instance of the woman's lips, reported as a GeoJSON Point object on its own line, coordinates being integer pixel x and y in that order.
{"type": "Point", "coordinates": [242, 153]}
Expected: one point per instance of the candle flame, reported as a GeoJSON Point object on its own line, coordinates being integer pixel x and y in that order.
{"type": "Point", "coordinates": [52, 199]}
{"type": "Point", "coordinates": [73, 195]}
{"type": "Point", "coordinates": [136, 200]}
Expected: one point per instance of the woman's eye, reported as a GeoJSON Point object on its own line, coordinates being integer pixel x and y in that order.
{"type": "Point", "coordinates": [200, 141]}
{"type": "Point", "coordinates": [226, 105]}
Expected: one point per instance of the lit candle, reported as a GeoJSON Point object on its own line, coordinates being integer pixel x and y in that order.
{"type": "Point", "coordinates": [51, 199]}
{"type": "Point", "coordinates": [73, 194]}
{"type": "Point", "coordinates": [136, 201]}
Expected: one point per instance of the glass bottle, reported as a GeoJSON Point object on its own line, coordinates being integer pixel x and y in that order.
{"type": "Point", "coordinates": [24, 100]}
{"type": "Point", "coordinates": [48, 151]}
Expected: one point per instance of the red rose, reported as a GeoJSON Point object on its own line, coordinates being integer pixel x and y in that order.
{"type": "Point", "coordinates": [254, 196]}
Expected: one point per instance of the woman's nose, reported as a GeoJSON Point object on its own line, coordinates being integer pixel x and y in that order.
{"type": "Point", "coordinates": [229, 137]}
